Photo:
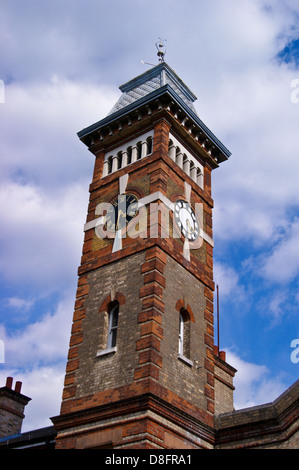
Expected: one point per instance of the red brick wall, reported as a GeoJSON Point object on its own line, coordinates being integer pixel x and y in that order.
{"type": "Point", "coordinates": [152, 275]}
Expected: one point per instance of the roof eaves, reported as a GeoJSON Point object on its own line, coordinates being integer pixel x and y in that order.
{"type": "Point", "coordinates": [148, 98]}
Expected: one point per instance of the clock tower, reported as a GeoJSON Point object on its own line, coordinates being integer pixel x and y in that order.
{"type": "Point", "coordinates": [142, 370]}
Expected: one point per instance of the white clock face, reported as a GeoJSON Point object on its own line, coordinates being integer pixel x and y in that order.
{"type": "Point", "coordinates": [186, 220]}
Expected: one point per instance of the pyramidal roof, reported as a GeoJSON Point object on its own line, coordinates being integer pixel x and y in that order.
{"type": "Point", "coordinates": [150, 81]}
{"type": "Point", "coordinates": [157, 82]}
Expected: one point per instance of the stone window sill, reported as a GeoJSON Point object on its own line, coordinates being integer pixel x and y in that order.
{"type": "Point", "coordinates": [107, 351]}
{"type": "Point", "coordinates": [185, 360]}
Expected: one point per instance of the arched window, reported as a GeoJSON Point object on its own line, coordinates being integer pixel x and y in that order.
{"type": "Point", "coordinates": [109, 314]}
{"type": "Point", "coordinates": [184, 334]}
{"type": "Point", "coordinates": [129, 151]}
{"type": "Point", "coordinates": [110, 164]}
{"type": "Point", "coordinates": [149, 142]}
{"type": "Point", "coordinates": [138, 150]}
{"type": "Point", "coordinates": [119, 160]}
{"type": "Point", "coordinates": [113, 325]}
{"type": "Point", "coordinates": [200, 179]}
{"type": "Point", "coordinates": [181, 335]}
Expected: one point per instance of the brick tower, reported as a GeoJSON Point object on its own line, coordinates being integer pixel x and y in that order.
{"type": "Point", "coordinates": [142, 370]}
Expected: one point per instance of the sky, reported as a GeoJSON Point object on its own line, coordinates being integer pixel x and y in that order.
{"type": "Point", "coordinates": [60, 69]}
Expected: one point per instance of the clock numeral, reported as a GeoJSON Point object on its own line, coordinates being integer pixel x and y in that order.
{"type": "Point", "coordinates": [186, 220]}
{"type": "Point", "coordinates": [124, 209]}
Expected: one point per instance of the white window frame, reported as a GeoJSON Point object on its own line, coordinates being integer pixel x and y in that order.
{"type": "Point", "coordinates": [181, 355]}
{"type": "Point", "coordinates": [181, 336]}
{"type": "Point", "coordinates": [112, 329]}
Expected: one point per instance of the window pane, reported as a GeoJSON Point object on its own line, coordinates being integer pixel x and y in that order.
{"type": "Point", "coordinates": [113, 324]}
{"type": "Point", "coordinates": [113, 338]}
{"type": "Point", "coordinates": [181, 335]}
{"type": "Point", "coordinates": [114, 314]}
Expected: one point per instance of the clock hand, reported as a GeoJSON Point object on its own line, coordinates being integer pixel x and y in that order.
{"type": "Point", "coordinates": [119, 214]}
{"type": "Point", "coordinates": [190, 228]}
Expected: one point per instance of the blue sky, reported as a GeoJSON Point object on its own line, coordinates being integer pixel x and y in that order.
{"type": "Point", "coordinates": [62, 64]}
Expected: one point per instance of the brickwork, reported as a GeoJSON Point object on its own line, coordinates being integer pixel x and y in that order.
{"type": "Point", "coordinates": [91, 373]}
{"type": "Point", "coordinates": [141, 364]}
{"type": "Point", "coordinates": [12, 404]}
{"type": "Point", "coordinates": [187, 380]}
{"type": "Point", "coordinates": [271, 426]}
{"type": "Point", "coordinates": [155, 281]}
{"type": "Point", "coordinates": [140, 430]}
{"type": "Point", "coordinates": [224, 388]}
{"type": "Point", "coordinates": [150, 316]}
{"type": "Point", "coordinates": [11, 416]}
{"type": "Point", "coordinates": [155, 173]}
{"type": "Point", "coordinates": [142, 369]}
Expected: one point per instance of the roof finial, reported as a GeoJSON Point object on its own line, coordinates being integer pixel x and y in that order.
{"type": "Point", "coordinates": [160, 45]}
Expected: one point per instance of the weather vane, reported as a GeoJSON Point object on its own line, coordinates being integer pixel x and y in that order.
{"type": "Point", "coordinates": [160, 45]}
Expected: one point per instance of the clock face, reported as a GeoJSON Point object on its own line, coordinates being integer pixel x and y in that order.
{"type": "Point", "coordinates": [186, 220]}
{"type": "Point", "coordinates": [123, 209]}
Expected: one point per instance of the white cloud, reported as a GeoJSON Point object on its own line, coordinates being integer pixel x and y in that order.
{"type": "Point", "coordinates": [277, 304]}
{"type": "Point", "coordinates": [19, 303]}
{"type": "Point", "coordinates": [38, 134]}
{"type": "Point", "coordinates": [41, 342]}
{"type": "Point", "coordinates": [250, 107]}
{"type": "Point", "coordinates": [36, 356]}
{"type": "Point", "coordinates": [282, 265]}
{"type": "Point", "coordinates": [46, 172]}
{"type": "Point", "coordinates": [44, 386]}
{"type": "Point", "coordinates": [41, 235]}
{"type": "Point", "coordinates": [259, 125]}
{"type": "Point", "coordinates": [55, 61]}
{"type": "Point", "coordinates": [228, 280]}
{"type": "Point", "coordinates": [253, 383]}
